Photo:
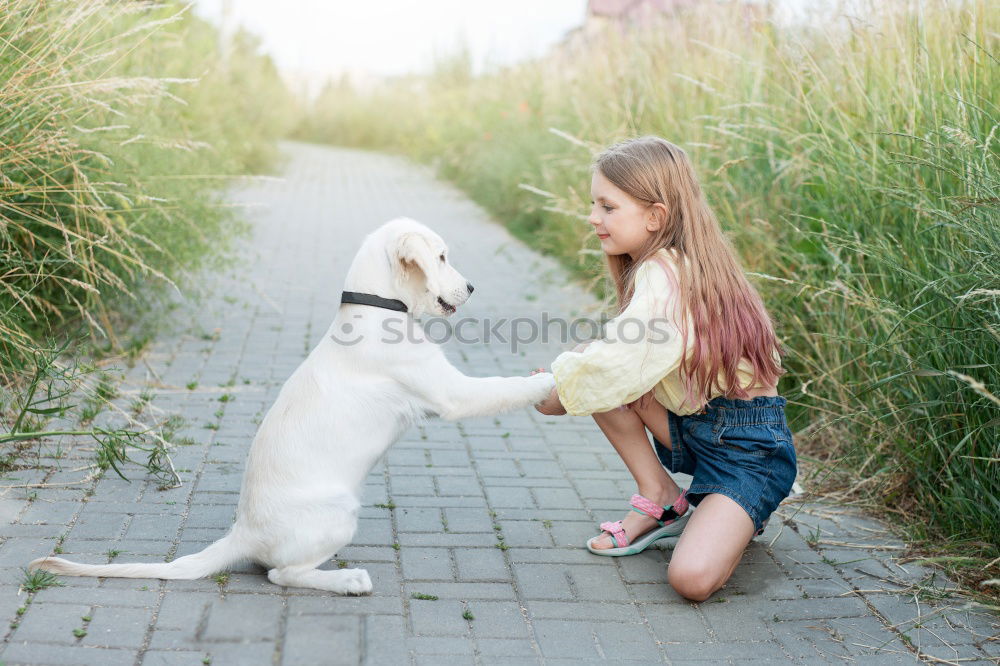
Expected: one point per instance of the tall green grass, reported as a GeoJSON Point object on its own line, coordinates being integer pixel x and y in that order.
{"type": "Point", "coordinates": [120, 122]}
{"type": "Point", "coordinates": [855, 166]}
{"type": "Point", "coordinates": [117, 120]}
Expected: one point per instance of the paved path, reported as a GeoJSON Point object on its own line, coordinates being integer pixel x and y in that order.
{"type": "Point", "coordinates": [489, 516]}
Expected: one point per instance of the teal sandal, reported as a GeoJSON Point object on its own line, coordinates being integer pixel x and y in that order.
{"type": "Point", "coordinates": [671, 519]}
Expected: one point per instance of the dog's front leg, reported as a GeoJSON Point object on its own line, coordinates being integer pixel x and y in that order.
{"type": "Point", "coordinates": [452, 395]}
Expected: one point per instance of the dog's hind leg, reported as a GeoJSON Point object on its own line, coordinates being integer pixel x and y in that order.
{"type": "Point", "coordinates": [340, 581]}
{"type": "Point", "coordinates": [309, 535]}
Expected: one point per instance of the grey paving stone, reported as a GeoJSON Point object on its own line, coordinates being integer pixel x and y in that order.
{"type": "Point", "coordinates": [384, 640]}
{"type": "Point", "coordinates": [555, 498]}
{"type": "Point", "coordinates": [240, 654]}
{"type": "Point", "coordinates": [493, 649]}
{"type": "Point", "coordinates": [172, 657]}
{"type": "Point", "coordinates": [324, 604]}
{"type": "Point", "coordinates": [501, 497]}
{"type": "Point", "coordinates": [51, 513]}
{"type": "Point", "coordinates": [727, 652]}
{"type": "Point", "coordinates": [17, 552]}
{"type": "Point", "coordinates": [323, 640]}
{"type": "Point", "coordinates": [447, 539]}
{"type": "Point", "coordinates": [41, 653]}
{"type": "Point", "coordinates": [108, 596]}
{"type": "Point", "coordinates": [498, 619]}
{"type": "Point", "coordinates": [413, 485]}
{"type": "Point", "coordinates": [427, 564]}
{"type": "Point", "coordinates": [797, 609]}
{"type": "Point", "coordinates": [414, 519]}
{"type": "Point", "coordinates": [438, 618]}
{"type": "Point", "coordinates": [374, 532]}
{"type": "Point", "coordinates": [468, 520]}
{"type": "Point", "coordinates": [244, 618]}
{"type": "Point", "coordinates": [584, 610]}
{"type": "Point", "coordinates": [607, 640]}
{"type": "Point", "coordinates": [737, 621]}
{"type": "Point", "coordinates": [50, 623]}
{"type": "Point", "coordinates": [476, 564]}
{"type": "Point", "coordinates": [118, 627]}
{"type": "Point", "coordinates": [525, 533]}
{"type": "Point", "coordinates": [462, 590]}
{"type": "Point", "coordinates": [457, 486]}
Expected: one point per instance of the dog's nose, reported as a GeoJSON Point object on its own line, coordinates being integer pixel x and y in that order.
{"type": "Point", "coordinates": [470, 287]}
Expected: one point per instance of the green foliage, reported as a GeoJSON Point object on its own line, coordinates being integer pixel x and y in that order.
{"type": "Point", "coordinates": [38, 580]}
{"type": "Point", "coordinates": [119, 119]}
{"type": "Point", "coordinates": [120, 123]}
{"type": "Point", "coordinates": [855, 167]}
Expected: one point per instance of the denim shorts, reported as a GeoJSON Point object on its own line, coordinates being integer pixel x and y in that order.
{"type": "Point", "coordinates": [738, 448]}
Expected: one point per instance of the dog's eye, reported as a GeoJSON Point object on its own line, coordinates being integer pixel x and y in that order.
{"type": "Point", "coordinates": [442, 256]}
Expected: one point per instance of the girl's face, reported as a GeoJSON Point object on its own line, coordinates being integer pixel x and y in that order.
{"type": "Point", "coordinates": [623, 223]}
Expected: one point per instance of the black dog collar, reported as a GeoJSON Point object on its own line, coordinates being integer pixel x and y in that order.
{"type": "Point", "coordinates": [372, 299]}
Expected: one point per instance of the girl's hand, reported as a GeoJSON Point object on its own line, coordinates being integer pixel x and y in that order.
{"type": "Point", "coordinates": [551, 406]}
{"type": "Point", "coordinates": [536, 371]}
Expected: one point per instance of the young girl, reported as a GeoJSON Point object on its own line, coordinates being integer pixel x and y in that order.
{"type": "Point", "coordinates": [700, 375]}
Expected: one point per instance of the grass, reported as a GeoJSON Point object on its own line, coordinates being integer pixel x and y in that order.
{"type": "Point", "coordinates": [854, 165]}
{"type": "Point", "coordinates": [36, 580]}
{"type": "Point", "coordinates": [121, 122]}
{"type": "Point", "coordinates": [424, 597]}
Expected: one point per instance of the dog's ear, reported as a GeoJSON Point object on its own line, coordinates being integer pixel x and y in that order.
{"type": "Point", "coordinates": [411, 253]}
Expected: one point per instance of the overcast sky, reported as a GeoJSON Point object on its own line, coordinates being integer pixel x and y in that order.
{"type": "Point", "coordinates": [312, 40]}
{"type": "Point", "coordinates": [319, 38]}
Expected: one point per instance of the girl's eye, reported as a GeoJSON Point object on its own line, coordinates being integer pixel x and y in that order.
{"type": "Point", "coordinates": [607, 209]}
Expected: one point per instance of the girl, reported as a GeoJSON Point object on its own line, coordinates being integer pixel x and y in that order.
{"type": "Point", "coordinates": [701, 375]}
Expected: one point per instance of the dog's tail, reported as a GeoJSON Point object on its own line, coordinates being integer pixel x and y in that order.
{"type": "Point", "coordinates": [219, 556]}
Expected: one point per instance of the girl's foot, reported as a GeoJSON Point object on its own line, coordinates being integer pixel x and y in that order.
{"type": "Point", "coordinates": [636, 523]}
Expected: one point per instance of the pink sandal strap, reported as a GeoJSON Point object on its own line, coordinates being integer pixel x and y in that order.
{"type": "Point", "coordinates": [618, 537]}
{"type": "Point", "coordinates": [662, 514]}
{"type": "Point", "coordinates": [647, 506]}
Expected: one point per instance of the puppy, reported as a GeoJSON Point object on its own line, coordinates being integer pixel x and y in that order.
{"type": "Point", "coordinates": [372, 376]}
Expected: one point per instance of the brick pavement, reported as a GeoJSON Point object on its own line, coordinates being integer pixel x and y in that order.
{"type": "Point", "coordinates": [473, 532]}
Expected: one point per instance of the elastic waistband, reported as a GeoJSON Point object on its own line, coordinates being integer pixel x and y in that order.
{"type": "Point", "coordinates": [762, 409]}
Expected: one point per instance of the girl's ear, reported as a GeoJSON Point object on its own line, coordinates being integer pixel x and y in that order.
{"type": "Point", "coordinates": [656, 216]}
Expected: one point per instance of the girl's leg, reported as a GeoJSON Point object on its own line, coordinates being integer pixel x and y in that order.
{"type": "Point", "coordinates": [626, 430]}
{"type": "Point", "coordinates": [710, 547]}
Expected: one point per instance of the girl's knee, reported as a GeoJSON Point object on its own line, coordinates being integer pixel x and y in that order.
{"type": "Point", "coordinates": [693, 580]}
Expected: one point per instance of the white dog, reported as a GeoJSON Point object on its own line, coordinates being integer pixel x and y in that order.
{"type": "Point", "coordinates": [351, 399]}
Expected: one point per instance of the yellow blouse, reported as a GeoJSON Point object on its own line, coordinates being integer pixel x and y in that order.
{"type": "Point", "coordinates": [641, 350]}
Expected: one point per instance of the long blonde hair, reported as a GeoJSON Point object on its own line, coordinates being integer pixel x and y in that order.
{"type": "Point", "coordinates": [729, 319]}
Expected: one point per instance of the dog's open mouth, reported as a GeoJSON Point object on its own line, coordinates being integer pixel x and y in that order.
{"type": "Point", "coordinates": [447, 307]}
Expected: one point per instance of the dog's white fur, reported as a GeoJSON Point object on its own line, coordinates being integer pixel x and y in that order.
{"type": "Point", "coordinates": [335, 417]}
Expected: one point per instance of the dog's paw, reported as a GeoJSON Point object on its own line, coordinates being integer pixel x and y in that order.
{"type": "Point", "coordinates": [543, 383]}
{"type": "Point", "coordinates": [355, 581]}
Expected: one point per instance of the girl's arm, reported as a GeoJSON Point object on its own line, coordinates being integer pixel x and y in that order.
{"type": "Point", "coordinates": [641, 346]}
